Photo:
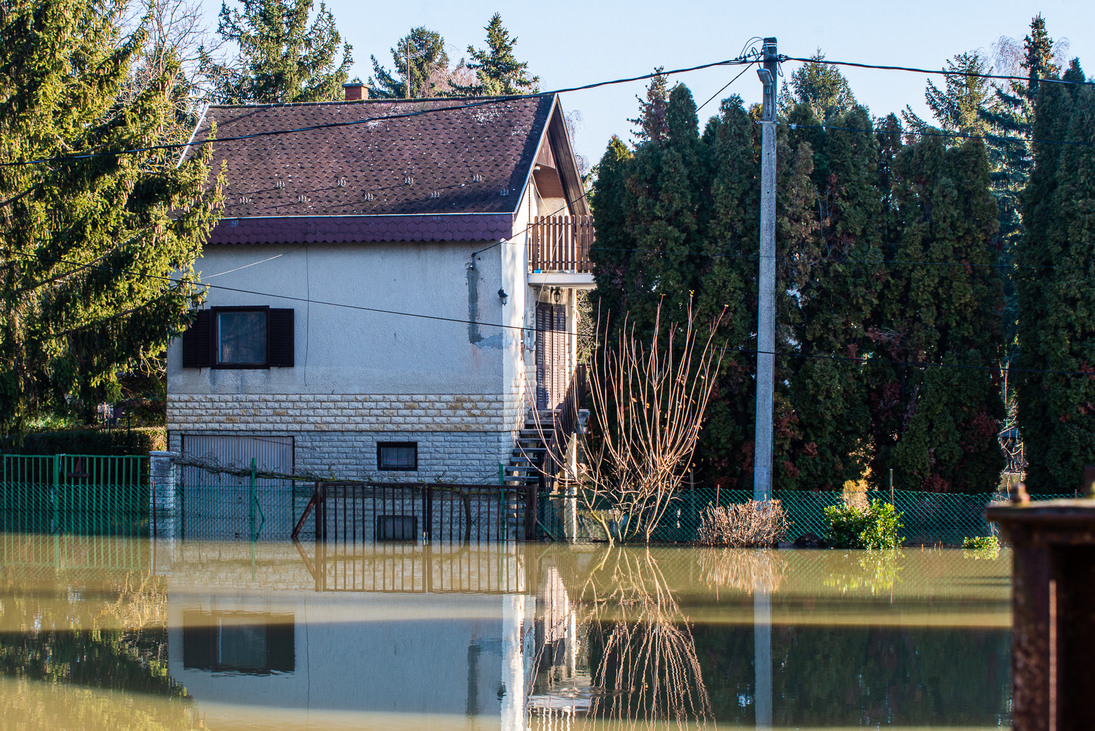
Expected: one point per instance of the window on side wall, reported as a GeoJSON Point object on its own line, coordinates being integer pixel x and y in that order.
{"type": "Point", "coordinates": [397, 456]}
{"type": "Point", "coordinates": [240, 337]}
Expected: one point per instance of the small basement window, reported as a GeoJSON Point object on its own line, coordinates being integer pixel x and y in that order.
{"type": "Point", "coordinates": [397, 456]}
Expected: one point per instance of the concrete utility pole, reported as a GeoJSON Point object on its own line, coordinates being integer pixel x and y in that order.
{"type": "Point", "coordinates": [766, 315]}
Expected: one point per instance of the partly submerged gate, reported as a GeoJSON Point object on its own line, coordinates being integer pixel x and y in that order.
{"type": "Point", "coordinates": [232, 488]}
{"type": "Point", "coordinates": [351, 513]}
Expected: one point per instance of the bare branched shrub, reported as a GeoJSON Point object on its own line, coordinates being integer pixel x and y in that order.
{"type": "Point", "coordinates": [743, 525]}
{"type": "Point", "coordinates": [647, 401]}
{"type": "Point", "coordinates": [746, 571]}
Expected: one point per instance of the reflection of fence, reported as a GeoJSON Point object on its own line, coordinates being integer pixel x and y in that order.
{"type": "Point", "coordinates": [927, 517]}
{"type": "Point", "coordinates": [86, 556]}
{"type": "Point", "coordinates": [349, 513]}
{"type": "Point", "coordinates": [409, 568]}
{"type": "Point", "coordinates": [74, 493]}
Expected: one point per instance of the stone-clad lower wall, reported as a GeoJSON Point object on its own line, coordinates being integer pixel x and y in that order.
{"type": "Point", "coordinates": [334, 412]}
{"type": "Point", "coordinates": [463, 456]}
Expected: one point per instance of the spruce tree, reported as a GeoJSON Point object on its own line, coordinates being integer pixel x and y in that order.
{"type": "Point", "coordinates": [821, 87]}
{"type": "Point", "coordinates": [421, 68]}
{"type": "Point", "coordinates": [96, 252]}
{"type": "Point", "coordinates": [282, 58]}
{"type": "Point", "coordinates": [497, 70]}
{"type": "Point", "coordinates": [961, 104]}
{"type": "Point", "coordinates": [1054, 278]}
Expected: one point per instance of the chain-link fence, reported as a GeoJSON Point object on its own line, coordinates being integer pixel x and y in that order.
{"type": "Point", "coordinates": [927, 518]}
{"type": "Point", "coordinates": [73, 493]}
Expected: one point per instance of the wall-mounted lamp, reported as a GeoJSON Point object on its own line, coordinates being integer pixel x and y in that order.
{"type": "Point", "coordinates": [502, 295]}
{"type": "Point", "coordinates": [556, 293]}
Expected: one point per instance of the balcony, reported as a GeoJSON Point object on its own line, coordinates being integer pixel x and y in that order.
{"type": "Point", "coordinates": [558, 251]}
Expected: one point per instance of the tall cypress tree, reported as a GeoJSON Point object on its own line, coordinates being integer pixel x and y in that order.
{"type": "Point", "coordinates": [833, 269]}
{"type": "Point", "coordinates": [937, 327]}
{"type": "Point", "coordinates": [282, 58]}
{"type": "Point", "coordinates": [497, 70]}
{"type": "Point", "coordinates": [92, 249]}
{"type": "Point", "coordinates": [1056, 299]}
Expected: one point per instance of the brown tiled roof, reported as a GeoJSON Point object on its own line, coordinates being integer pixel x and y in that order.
{"type": "Point", "coordinates": [454, 172]}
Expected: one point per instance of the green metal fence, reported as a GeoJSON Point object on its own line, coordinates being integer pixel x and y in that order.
{"type": "Point", "coordinates": [74, 493]}
{"type": "Point", "coordinates": [927, 518]}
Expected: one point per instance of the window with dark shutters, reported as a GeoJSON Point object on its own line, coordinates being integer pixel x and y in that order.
{"type": "Point", "coordinates": [224, 337]}
{"type": "Point", "coordinates": [197, 342]}
{"type": "Point", "coordinates": [281, 345]}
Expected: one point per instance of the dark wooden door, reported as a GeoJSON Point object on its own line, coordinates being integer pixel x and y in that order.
{"type": "Point", "coordinates": [551, 355]}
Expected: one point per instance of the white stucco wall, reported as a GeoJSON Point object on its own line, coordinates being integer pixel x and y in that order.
{"type": "Point", "coordinates": [343, 350]}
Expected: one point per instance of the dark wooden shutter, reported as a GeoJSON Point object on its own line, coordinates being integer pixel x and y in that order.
{"type": "Point", "coordinates": [197, 342]}
{"type": "Point", "coordinates": [281, 343]}
{"type": "Point", "coordinates": [543, 356]}
{"type": "Point", "coordinates": [558, 355]}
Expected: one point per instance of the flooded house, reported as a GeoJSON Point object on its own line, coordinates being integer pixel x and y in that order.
{"type": "Point", "coordinates": [391, 286]}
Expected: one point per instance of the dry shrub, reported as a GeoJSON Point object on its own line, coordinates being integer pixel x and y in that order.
{"type": "Point", "coordinates": [745, 571]}
{"type": "Point", "coordinates": [743, 525]}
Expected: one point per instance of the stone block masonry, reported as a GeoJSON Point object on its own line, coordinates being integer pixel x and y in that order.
{"type": "Point", "coordinates": [470, 457]}
{"type": "Point", "coordinates": [337, 412]}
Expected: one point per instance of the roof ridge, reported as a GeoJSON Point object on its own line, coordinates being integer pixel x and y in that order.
{"type": "Point", "coordinates": [378, 101]}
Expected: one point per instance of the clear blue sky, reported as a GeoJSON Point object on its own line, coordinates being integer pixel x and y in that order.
{"type": "Point", "coordinates": [569, 43]}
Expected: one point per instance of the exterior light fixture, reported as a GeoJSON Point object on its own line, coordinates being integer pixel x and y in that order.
{"type": "Point", "coordinates": [556, 293]}
{"type": "Point", "coordinates": [502, 295]}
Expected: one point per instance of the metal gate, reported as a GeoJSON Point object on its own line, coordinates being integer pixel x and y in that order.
{"type": "Point", "coordinates": [358, 513]}
{"type": "Point", "coordinates": [223, 494]}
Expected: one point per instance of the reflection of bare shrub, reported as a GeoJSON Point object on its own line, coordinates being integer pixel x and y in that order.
{"type": "Point", "coordinates": [742, 570]}
{"type": "Point", "coordinates": [751, 523]}
{"type": "Point", "coordinates": [649, 671]}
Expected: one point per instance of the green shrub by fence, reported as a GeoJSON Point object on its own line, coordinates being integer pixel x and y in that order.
{"type": "Point", "coordinates": [116, 442]}
{"type": "Point", "coordinates": [927, 517]}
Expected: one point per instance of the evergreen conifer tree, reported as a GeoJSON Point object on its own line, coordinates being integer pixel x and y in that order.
{"type": "Point", "coordinates": [936, 327]}
{"type": "Point", "coordinates": [421, 68]}
{"type": "Point", "coordinates": [961, 104]}
{"type": "Point", "coordinates": [497, 70]}
{"type": "Point", "coordinates": [821, 87]}
{"type": "Point", "coordinates": [96, 253]}
{"type": "Point", "coordinates": [1056, 298]}
{"type": "Point", "coordinates": [282, 58]}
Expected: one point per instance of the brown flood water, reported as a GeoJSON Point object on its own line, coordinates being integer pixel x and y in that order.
{"type": "Point", "coordinates": [131, 634]}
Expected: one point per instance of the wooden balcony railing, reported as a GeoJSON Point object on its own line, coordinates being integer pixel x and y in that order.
{"type": "Point", "coordinates": [560, 244]}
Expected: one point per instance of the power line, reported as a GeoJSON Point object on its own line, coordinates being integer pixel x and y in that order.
{"type": "Point", "coordinates": [351, 123]}
{"type": "Point", "coordinates": [938, 72]}
{"type": "Point", "coordinates": [963, 135]}
{"type": "Point", "coordinates": [460, 321]}
{"type": "Point", "coordinates": [728, 83]}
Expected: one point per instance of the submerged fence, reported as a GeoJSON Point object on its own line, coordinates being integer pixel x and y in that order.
{"type": "Point", "coordinates": [74, 493]}
{"type": "Point", "coordinates": [927, 517]}
{"type": "Point", "coordinates": [107, 495]}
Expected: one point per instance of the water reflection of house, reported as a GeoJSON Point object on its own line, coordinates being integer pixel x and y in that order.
{"type": "Point", "coordinates": [452, 633]}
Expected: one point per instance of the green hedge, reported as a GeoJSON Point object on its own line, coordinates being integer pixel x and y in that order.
{"type": "Point", "coordinates": [131, 442]}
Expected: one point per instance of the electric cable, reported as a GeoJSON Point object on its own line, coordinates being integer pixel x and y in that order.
{"type": "Point", "coordinates": [351, 123]}
{"type": "Point", "coordinates": [461, 321]}
{"type": "Point", "coordinates": [937, 72]}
